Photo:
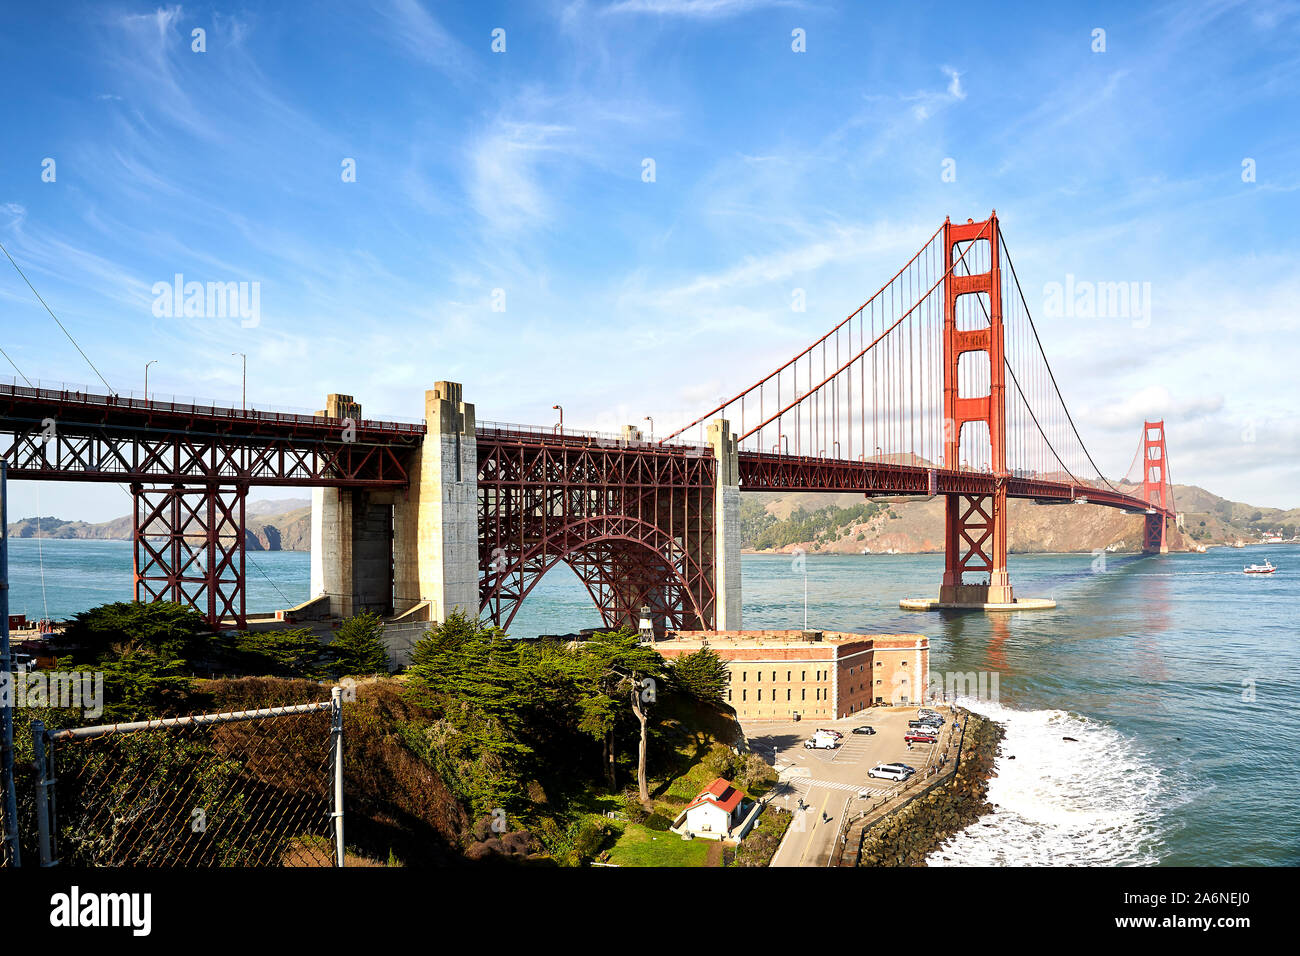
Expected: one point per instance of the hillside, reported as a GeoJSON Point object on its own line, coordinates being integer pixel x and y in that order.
{"type": "Point", "coordinates": [832, 523]}
{"type": "Point", "coordinates": [276, 525]}
{"type": "Point", "coordinates": [850, 524]}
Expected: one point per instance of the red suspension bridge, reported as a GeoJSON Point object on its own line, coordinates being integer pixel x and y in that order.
{"type": "Point", "coordinates": [937, 385]}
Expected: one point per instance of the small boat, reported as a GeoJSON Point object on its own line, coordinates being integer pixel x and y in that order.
{"type": "Point", "coordinates": [1265, 568]}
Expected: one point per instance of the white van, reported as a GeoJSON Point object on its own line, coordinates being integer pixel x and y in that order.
{"type": "Point", "coordinates": [890, 771]}
{"type": "Point", "coordinates": [821, 741]}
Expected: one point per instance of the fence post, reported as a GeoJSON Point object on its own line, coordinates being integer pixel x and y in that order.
{"type": "Point", "coordinates": [44, 806]}
{"type": "Point", "coordinates": [336, 759]}
{"type": "Point", "coordinates": [12, 856]}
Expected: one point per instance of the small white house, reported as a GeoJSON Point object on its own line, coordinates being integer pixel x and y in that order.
{"type": "Point", "coordinates": [714, 813]}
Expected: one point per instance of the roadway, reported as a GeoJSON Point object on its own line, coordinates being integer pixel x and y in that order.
{"type": "Point", "coordinates": [832, 783]}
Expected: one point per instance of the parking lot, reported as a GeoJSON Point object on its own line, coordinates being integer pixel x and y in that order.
{"type": "Point", "coordinates": [832, 783]}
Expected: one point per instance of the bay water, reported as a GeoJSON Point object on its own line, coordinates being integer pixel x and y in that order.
{"type": "Point", "coordinates": [1178, 677]}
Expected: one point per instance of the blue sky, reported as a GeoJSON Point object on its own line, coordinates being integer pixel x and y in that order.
{"type": "Point", "coordinates": [775, 169]}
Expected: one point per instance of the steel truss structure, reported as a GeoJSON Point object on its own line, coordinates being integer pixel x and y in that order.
{"type": "Point", "coordinates": [189, 548]}
{"type": "Point", "coordinates": [633, 520]}
{"type": "Point", "coordinates": [74, 436]}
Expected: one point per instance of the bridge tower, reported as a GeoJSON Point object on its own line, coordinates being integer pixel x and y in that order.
{"type": "Point", "coordinates": [1156, 490]}
{"type": "Point", "coordinates": [975, 524]}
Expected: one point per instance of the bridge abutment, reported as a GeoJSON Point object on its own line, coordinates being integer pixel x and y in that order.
{"type": "Point", "coordinates": [351, 538]}
{"type": "Point", "coordinates": [390, 551]}
{"type": "Point", "coordinates": [436, 546]}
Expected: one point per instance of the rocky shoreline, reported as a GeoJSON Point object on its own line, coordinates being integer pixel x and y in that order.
{"type": "Point", "coordinates": [909, 836]}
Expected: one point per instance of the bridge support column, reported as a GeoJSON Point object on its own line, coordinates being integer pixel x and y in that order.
{"type": "Point", "coordinates": [436, 542]}
{"type": "Point", "coordinates": [351, 539]}
{"type": "Point", "coordinates": [976, 525]}
{"type": "Point", "coordinates": [976, 541]}
{"type": "Point", "coordinates": [726, 527]}
{"type": "Point", "coordinates": [189, 548]}
{"type": "Point", "coordinates": [1153, 535]}
{"type": "Point", "coordinates": [1155, 486]}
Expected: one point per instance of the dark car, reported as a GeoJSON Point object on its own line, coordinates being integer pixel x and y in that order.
{"type": "Point", "coordinates": [864, 730]}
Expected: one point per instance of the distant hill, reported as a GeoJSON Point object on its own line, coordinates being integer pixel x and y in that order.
{"type": "Point", "coordinates": [832, 523]}
{"type": "Point", "coordinates": [274, 525]}
{"type": "Point", "coordinates": [851, 524]}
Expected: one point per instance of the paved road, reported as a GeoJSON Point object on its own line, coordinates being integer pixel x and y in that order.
{"type": "Point", "coordinates": [830, 782]}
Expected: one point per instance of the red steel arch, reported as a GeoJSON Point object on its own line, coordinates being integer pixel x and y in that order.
{"type": "Point", "coordinates": [633, 519]}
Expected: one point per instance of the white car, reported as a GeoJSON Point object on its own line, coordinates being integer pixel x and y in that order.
{"type": "Point", "coordinates": [890, 771]}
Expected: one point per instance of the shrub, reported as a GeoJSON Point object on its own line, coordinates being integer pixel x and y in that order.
{"type": "Point", "coordinates": [589, 835]}
{"type": "Point", "coordinates": [356, 648]}
{"type": "Point", "coordinates": [659, 821]}
{"type": "Point", "coordinates": [719, 762]}
{"type": "Point", "coordinates": [289, 653]}
{"type": "Point", "coordinates": [633, 810]}
{"type": "Point", "coordinates": [752, 772]}
{"type": "Point", "coordinates": [140, 683]}
{"type": "Point", "coordinates": [159, 626]}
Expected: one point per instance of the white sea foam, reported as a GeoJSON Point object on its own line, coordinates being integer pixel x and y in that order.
{"type": "Point", "coordinates": [1094, 802]}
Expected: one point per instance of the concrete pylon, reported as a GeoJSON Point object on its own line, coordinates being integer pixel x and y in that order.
{"type": "Point", "coordinates": [331, 528]}
{"type": "Point", "coordinates": [351, 538]}
{"type": "Point", "coordinates": [726, 527]}
{"type": "Point", "coordinates": [436, 526]}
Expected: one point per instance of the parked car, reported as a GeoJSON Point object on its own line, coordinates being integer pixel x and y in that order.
{"type": "Point", "coordinates": [864, 729]}
{"type": "Point", "coordinates": [919, 724]}
{"type": "Point", "coordinates": [834, 733]}
{"type": "Point", "coordinates": [891, 771]}
{"type": "Point", "coordinates": [821, 741]}
{"type": "Point", "coordinates": [927, 712]}
{"type": "Point", "coordinates": [919, 737]}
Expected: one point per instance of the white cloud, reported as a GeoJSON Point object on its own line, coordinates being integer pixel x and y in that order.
{"type": "Point", "coordinates": [420, 34]}
{"type": "Point", "coordinates": [505, 181]}
{"type": "Point", "coordinates": [1151, 403]}
{"type": "Point", "coordinates": [954, 83]}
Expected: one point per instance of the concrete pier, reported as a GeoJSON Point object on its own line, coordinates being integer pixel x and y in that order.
{"type": "Point", "coordinates": [435, 554]}
{"type": "Point", "coordinates": [933, 604]}
{"type": "Point", "coordinates": [351, 539]}
{"type": "Point", "coordinates": [391, 552]}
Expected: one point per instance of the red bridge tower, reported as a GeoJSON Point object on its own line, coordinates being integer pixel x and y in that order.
{"type": "Point", "coordinates": [976, 528]}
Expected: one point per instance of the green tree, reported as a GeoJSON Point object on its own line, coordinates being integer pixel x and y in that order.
{"type": "Point", "coordinates": [163, 626]}
{"type": "Point", "coordinates": [140, 683]}
{"type": "Point", "coordinates": [357, 648]}
{"type": "Point", "coordinates": [294, 652]}
{"type": "Point", "coordinates": [615, 666]}
{"type": "Point", "coordinates": [703, 675]}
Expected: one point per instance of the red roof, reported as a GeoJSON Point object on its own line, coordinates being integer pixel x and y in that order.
{"type": "Point", "coordinates": [721, 794]}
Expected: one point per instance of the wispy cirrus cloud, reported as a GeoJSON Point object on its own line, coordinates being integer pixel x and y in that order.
{"type": "Point", "coordinates": [422, 36]}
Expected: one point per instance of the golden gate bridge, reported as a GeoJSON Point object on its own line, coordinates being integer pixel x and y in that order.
{"type": "Point", "coordinates": [938, 384]}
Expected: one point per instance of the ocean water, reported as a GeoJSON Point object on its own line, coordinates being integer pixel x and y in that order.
{"type": "Point", "coordinates": [1177, 675]}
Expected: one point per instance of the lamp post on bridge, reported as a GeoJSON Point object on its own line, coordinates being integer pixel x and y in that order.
{"type": "Point", "coordinates": [652, 427]}
{"type": "Point", "coordinates": [146, 378]}
{"type": "Point", "coordinates": [243, 391]}
{"type": "Point", "coordinates": [559, 429]}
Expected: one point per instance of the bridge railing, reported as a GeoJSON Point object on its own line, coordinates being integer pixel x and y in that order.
{"type": "Point", "coordinates": [583, 437]}
{"type": "Point", "coordinates": [71, 394]}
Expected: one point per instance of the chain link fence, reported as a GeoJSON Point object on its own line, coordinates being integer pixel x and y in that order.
{"type": "Point", "coordinates": [247, 788]}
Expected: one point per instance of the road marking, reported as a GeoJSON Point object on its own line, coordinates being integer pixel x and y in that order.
{"type": "Point", "coordinates": [821, 815]}
{"type": "Point", "coordinates": [846, 787]}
